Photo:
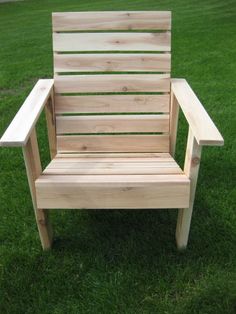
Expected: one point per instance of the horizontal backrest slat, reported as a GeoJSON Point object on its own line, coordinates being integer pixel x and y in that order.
{"type": "Point", "coordinates": [112, 83]}
{"type": "Point", "coordinates": [112, 62]}
{"type": "Point", "coordinates": [113, 143]}
{"type": "Point", "coordinates": [111, 103]}
{"type": "Point", "coordinates": [132, 20]}
{"type": "Point", "coordinates": [63, 42]}
{"type": "Point", "coordinates": [112, 124]}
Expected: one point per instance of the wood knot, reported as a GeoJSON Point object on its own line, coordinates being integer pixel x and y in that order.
{"type": "Point", "coordinates": [42, 222]}
{"type": "Point", "coordinates": [195, 161]}
{"type": "Point", "coordinates": [124, 89]}
{"type": "Point", "coordinates": [127, 188]}
{"type": "Point", "coordinates": [84, 147]}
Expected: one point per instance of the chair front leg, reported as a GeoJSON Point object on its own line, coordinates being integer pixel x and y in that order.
{"type": "Point", "coordinates": [191, 168]}
{"type": "Point", "coordinates": [34, 169]}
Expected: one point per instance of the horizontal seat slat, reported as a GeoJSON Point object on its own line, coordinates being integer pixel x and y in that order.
{"type": "Point", "coordinates": [112, 191]}
{"type": "Point", "coordinates": [121, 168]}
{"type": "Point", "coordinates": [112, 62]}
{"type": "Point", "coordinates": [111, 20]}
{"type": "Point", "coordinates": [112, 83]}
{"type": "Point", "coordinates": [112, 124]}
{"type": "Point", "coordinates": [66, 42]}
{"type": "Point", "coordinates": [113, 143]}
{"type": "Point", "coordinates": [112, 103]}
{"type": "Point", "coordinates": [128, 157]}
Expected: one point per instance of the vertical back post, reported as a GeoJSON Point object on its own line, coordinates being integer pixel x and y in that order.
{"type": "Point", "coordinates": [174, 116]}
{"type": "Point", "coordinates": [51, 124]}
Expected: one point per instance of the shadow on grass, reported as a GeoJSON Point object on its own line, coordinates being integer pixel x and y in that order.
{"type": "Point", "coordinates": [100, 254]}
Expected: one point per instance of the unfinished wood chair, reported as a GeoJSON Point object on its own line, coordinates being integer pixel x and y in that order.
{"type": "Point", "coordinates": [117, 65]}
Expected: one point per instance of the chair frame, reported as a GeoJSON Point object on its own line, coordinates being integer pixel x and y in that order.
{"type": "Point", "coordinates": [21, 132]}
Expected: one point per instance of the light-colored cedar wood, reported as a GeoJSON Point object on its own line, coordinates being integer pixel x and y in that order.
{"type": "Point", "coordinates": [191, 168]}
{"type": "Point", "coordinates": [112, 123]}
{"type": "Point", "coordinates": [115, 156]}
{"type": "Point", "coordinates": [112, 103]}
{"type": "Point", "coordinates": [174, 115]}
{"type": "Point", "coordinates": [203, 128]}
{"type": "Point", "coordinates": [113, 20]}
{"type": "Point", "coordinates": [122, 166]}
{"type": "Point", "coordinates": [24, 121]}
{"type": "Point", "coordinates": [77, 158]}
{"type": "Point", "coordinates": [51, 125]}
{"type": "Point", "coordinates": [112, 83]}
{"type": "Point", "coordinates": [113, 191]}
{"type": "Point", "coordinates": [113, 143]}
{"type": "Point", "coordinates": [34, 169]}
{"type": "Point", "coordinates": [112, 168]}
{"type": "Point", "coordinates": [107, 62]}
{"type": "Point", "coordinates": [111, 42]}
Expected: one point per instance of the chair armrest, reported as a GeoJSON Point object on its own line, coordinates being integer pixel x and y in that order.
{"type": "Point", "coordinates": [203, 128]}
{"type": "Point", "coordinates": [24, 121]}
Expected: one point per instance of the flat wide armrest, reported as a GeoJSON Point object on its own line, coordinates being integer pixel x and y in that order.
{"type": "Point", "coordinates": [203, 128]}
{"type": "Point", "coordinates": [24, 121]}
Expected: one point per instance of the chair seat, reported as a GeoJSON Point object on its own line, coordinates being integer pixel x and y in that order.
{"type": "Point", "coordinates": [105, 180]}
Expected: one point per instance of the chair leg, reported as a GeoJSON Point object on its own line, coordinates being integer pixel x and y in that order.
{"type": "Point", "coordinates": [183, 227]}
{"type": "Point", "coordinates": [44, 228]}
{"type": "Point", "coordinates": [34, 169]}
{"type": "Point", "coordinates": [191, 168]}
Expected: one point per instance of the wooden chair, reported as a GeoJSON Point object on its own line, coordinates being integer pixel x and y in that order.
{"type": "Point", "coordinates": [106, 63]}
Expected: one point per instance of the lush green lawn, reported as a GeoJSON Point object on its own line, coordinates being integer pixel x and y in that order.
{"type": "Point", "coordinates": [122, 261]}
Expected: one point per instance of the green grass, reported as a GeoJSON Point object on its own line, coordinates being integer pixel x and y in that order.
{"type": "Point", "coordinates": [122, 261]}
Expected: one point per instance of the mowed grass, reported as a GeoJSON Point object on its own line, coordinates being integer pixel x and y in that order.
{"type": "Point", "coordinates": [122, 261]}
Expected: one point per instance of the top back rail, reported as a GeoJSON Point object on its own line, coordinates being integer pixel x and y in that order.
{"type": "Point", "coordinates": [113, 20]}
{"type": "Point", "coordinates": [126, 57]}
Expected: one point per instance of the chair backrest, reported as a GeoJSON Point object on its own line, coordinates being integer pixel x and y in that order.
{"type": "Point", "coordinates": [112, 81]}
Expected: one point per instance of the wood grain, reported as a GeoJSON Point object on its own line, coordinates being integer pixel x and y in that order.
{"type": "Point", "coordinates": [122, 166]}
{"type": "Point", "coordinates": [112, 62]}
{"type": "Point", "coordinates": [112, 124]}
{"type": "Point", "coordinates": [113, 143]}
{"type": "Point", "coordinates": [113, 20]}
{"type": "Point", "coordinates": [112, 83]}
{"type": "Point", "coordinates": [111, 103]}
{"type": "Point", "coordinates": [111, 42]}
{"type": "Point", "coordinates": [113, 191]}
